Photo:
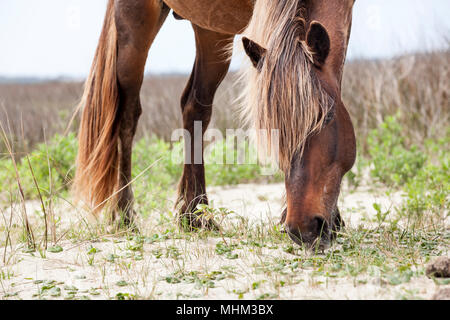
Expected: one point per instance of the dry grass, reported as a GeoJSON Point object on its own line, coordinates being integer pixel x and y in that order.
{"type": "Point", "coordinates": [43, 108]}
{"type": "Point", "coordinates": [417, 86]}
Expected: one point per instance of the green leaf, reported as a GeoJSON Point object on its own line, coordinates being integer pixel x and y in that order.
{"type": "Point", "coordinates": [55, 249]}
{"type": "Point", "coordinates": [121, 283]}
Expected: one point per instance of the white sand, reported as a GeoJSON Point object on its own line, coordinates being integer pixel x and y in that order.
{"type": "Point", "coordinates": [96, 277]}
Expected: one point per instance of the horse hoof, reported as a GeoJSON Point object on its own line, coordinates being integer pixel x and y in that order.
{"type": "Point", "coordinates": [193, 222]}
{"type": "Point", "coordinates": [120, 227]}
{"type": "Point", "coordinates": [123, 222]}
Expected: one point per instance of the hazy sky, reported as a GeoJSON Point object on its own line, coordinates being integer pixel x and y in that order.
{"type": "Point", "coordinates": [50, 38]}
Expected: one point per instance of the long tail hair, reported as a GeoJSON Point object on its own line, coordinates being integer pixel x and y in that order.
{"type": "Point", "coordinates": [96, 176]}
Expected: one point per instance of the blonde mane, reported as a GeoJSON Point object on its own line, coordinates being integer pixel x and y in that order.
{"type": "Point", "coordinates": [285, 95]}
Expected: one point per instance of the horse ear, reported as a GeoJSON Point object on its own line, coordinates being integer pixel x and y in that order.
{"type": "Point", "coordinates": [318, 41]}
{"type": "Point", "coordinates": [254, 51]}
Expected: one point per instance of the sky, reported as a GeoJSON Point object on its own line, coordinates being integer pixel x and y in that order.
{"type": "Point", "coordinates": [54, 38]}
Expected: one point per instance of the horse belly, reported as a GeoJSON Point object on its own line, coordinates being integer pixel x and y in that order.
{"type": "Point", "coordinates": [225, 16]}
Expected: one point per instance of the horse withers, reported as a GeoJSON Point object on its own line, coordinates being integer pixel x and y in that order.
{"type": "Point", "coordinates": [297, 50]}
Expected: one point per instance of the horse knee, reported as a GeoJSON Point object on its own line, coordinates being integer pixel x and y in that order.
{"type": "Point", "coordinates": [197, 101]}
{"type": "Point", "coordinates": [193, 111]}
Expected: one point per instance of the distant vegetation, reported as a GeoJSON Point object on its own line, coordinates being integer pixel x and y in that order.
{"type": "Point", "coordinates": [400, 110]}
{"type": "Point", "coordinates": [414, 87]}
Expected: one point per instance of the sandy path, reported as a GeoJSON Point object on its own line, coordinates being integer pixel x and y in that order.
{"type": "Point", "coordinates": [180, 269]}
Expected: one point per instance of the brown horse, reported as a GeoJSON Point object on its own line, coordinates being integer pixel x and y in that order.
{"type": "Point", "coordinates": [297, 49]}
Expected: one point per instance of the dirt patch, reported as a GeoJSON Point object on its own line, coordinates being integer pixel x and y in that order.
{"type": "Point", "coordinates": [439, 268]}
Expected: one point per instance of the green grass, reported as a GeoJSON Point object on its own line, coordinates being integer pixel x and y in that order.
{"type": "Point", "coordinates": [53, 165]}
{"type": "Point", "coordinates": [390, 251]}
{"type": "Point", "coordinates": [420, 172]}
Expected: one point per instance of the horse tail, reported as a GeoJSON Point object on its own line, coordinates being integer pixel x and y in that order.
{"type": "Point", "coordinates": [96, 176]}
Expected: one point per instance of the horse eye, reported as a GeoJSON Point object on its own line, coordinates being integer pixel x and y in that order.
{"type": "Point", "coordinates": [329, 116]}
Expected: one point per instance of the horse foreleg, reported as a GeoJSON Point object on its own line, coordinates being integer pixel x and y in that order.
{"type": "Point", "coordinates": [211, 66]}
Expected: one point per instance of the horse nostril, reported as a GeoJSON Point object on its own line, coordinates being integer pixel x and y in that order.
{"type": "Point", "coordinates": [294, 234]}
{"type": "Point", "coordinates": [317, 229]}
{"type": "Point", "coordinates": [319, 226]}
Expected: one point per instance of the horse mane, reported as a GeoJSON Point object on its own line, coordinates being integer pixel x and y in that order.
{"type": "Point", "coordinates": [285, 95]}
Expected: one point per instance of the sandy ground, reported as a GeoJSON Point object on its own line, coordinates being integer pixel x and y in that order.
{"type": "Point", "coordinates": [180, 269]}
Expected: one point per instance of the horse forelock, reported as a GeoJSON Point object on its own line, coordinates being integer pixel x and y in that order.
{"type": "Point", "coordinates": [285, 95]}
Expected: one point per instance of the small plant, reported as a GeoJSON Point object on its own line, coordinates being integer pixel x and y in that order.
{"type": "Point", "coordinates": [55, 249]}
{"type": "Point", "coordinates": [55, 158]}
{"type": "Point", "coordinates": [393, 161]}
